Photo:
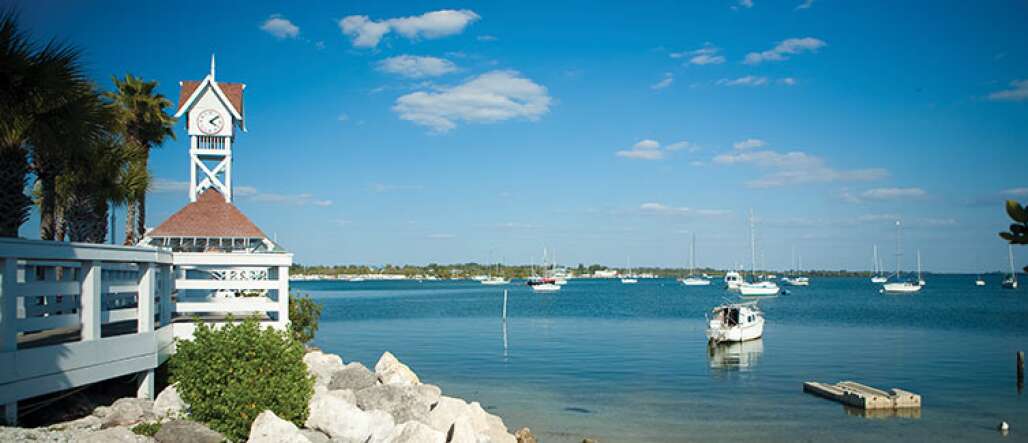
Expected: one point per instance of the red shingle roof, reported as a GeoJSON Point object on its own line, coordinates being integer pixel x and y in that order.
{"type": "Point", "coordinates": [210, 216]}
{"type": "Point", "coordinates": [233, 91]}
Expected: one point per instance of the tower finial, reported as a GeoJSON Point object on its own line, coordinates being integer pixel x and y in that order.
{"type": "Point", "coordinates": [212, 66]}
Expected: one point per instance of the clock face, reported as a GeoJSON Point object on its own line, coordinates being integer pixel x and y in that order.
{"type": "Point", "coordinates": [209, 121]}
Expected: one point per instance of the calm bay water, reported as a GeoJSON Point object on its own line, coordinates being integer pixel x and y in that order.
{"type": "Point", "coordinates": [629, 363]}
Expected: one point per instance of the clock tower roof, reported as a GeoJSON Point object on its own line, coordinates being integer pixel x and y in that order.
{"type": "Point", "coordinates": [233, 92]}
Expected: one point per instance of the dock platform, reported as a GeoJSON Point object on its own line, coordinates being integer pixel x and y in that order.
{"type": "Point", "coordinates": [862, 396]}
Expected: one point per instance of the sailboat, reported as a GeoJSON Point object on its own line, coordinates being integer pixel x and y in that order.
{"type": "Point", "coordinates": [876, 262]}
{"type": "Point", "coordinates": [735, 322]}
{"type": "Point", "coordinates": [796, 279]}
{"type": "Point", "coordinates": [1011, 281]}
{"type": "Point", "coordinates": [495, 280]}
{"type": "Point", "coordinates": [900, 287]}
{"type": "Point", "coordinates": [920, 280]}
{"type": "Point", "coordinates": [543, 284]}
{"type": "Point", "coordinates": [629, 279]}
{"type": "Point", "coordinates": [692, 279]}
{"type": "Point", "coordinates": [764, 287]}
{"type": "Point", "coordinates": [979, 281]}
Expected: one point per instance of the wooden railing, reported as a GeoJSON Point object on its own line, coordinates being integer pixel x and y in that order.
{"type": "Point", "coordinates": [72, 314]}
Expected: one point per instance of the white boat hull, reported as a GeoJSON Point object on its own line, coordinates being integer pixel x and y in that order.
{"type": "Point", "coordinates": [762, 288]}
{"type": "Point", "coordinates": [979, 283]}
{"type": "Point", "coordinates": [879, 279]}
{"type": "Point", "coordinates": [798, 281]}
{"type": "Point", "coordinates": [546, 287]}
{"type": "Point", "coordinates": [738, 333]}
{"type": "Point", "coordinates": [695, 282]}
{"type": "Point", "coordinates": [901, 288]}
{"type": "Point", "coordinates": [629, 281]}
{"type": "Point", "coordinates": [495, 282]}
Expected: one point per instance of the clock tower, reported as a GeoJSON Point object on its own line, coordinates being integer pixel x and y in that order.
{"type": "Point", "coordinates": [213, 110]}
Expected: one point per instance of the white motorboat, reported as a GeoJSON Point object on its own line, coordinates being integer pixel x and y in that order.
{"type": "Point", "coordinates": [735, 322]}
{"type": "Point", "coordinates": [759, 288]}
{"type": "Point", "coordinates": [979, 281]}
{"type": "Point", "coordinates": [692, 279]}
{"type": "Point", "coordinates": [629, 279]}
{"type": "Point", "coordinates": [796, 281]}
{"type": "Point", "coordinates": [1011, 281]}
{"type": "Point", "coordinates": [545, 287]}
{"type": "Point", "coordinates": [733, 280]}
{"type": "Point", "coordinates": [876, 262]}
{"type": "Point", "coordinates": [898, 286]}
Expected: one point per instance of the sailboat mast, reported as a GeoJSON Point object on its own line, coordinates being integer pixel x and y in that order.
{"type": "Point", "coordinates": [692, 255]}
{"type": "Point", "coordinates": [753, 249]}
{"type": "Point", "coordinates": [898, 253]}
{"type": "Point", "coordinates": [874, 261]}
{"type": "Point", "coordinates": [918, 265]}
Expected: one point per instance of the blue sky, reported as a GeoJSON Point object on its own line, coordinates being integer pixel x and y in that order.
{"type": "Point", "coordinates": [413, 132]}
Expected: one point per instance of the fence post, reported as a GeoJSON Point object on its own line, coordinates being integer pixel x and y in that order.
{"type": "Point", "coordinates": [283, 297]}
{"type": "Point", "coordinates": [167, 281]}
{"type": "Point", "coordinates": [9, 323]}
{"type": "Point", "coordinates": [146, 291]}
{"type": "Point", "coordinates": [89, 297]}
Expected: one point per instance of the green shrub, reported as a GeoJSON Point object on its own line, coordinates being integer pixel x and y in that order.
{"type": "Point", "coordinates": [147, 429]}
{"type": "Point", "coordinates": [304, 314]}
{"type": "Point", "coordinates": [231, 374]}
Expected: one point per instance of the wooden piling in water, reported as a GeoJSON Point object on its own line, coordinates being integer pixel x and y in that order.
{"type": "Point", "coordinates": [1020, 367]}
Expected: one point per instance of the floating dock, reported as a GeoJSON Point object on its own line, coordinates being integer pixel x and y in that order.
{"type": "Point", "coordinates": [862, 396]}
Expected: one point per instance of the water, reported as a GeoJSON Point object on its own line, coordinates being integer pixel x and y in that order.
{"type": "Point", "coordinates": [629, 363]}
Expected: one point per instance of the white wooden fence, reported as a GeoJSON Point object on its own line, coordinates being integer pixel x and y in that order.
{"type": "Point", "coordinates": [72, 314]}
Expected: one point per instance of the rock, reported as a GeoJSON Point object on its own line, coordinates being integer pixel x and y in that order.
{"type": "Point", "coordinates": [322, 365]}
{"type": "Point", "coordinates": [315, 436]}
{"type": "Point", "coordinates": [89, 422]}
{"type": "Point", "coordinates": [446, 412]}
{"type": "Point", "coordinates": [126, 412]}
{"type": "Point", "coordinates": [187, 431]}
{"type": "Point", "coordinates": [524, 435]}
{"type": "Point", "coordinates": [415, 432]}
{"type": "Point", "coordinates": [391, 371]}
{"type": "Point", "coordinates": [169, 403]}
{"type": "Point", "coordinates": [112, 435]}
{"type": "Point", "coordinates": [403, 402]}
{"type": "Point", "coordinates": [588, 440]}
{"type": "Point", "coordinates": [462, 431]}
{"type": "Point", "coordinates": [340, 419]}
{"type": "Point", "coordinates": [268, 428]}
{"type": "Point", "coordinates": [353, 376]}
{"type": "Point", "coordinates": [489, 425]}
{"type": "Point", "coordinates": [345, 395]}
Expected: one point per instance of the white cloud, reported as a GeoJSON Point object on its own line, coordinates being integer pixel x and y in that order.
{"type": "Point", "coordinates": [892, 193]}
{"type": "Point", "coordinates": [412, 66]}
{"type": "Point", "coordinates": [1016, 192]}
{"type": "Point", "coordinates": [252, 194]}
{"type": "Point", "coordinates": [678, 146]}
{"type": "Point", "coordinates": [161, 185]}
{"type": "Point", "coordinates": [367, 33]}
{"type": "Point", "coordinates": [643, 150]}
{"type": "Point", "coordinates": [491, 97]}
{"type": "Point", "coordinates": [662, 209]}
{"type": "Point", "coordinates": [280, 27]}
{"type": "Point", "coordinates": [343, 118]}
{"type": "Point", "coordinates": [749, 143]}
{"type": "Point", "coordinates": [805, 5]}
{"type": "Point", "coordinates": [707, 55]}
{"type": "Point", "coordinates": [663, 83]}
{"type": "Point", "coordinates": [748, 80]}
{"type": "Point", "coordinates": [788, 81]}
{"type": "Point", "coordinates": [746, 3]}
{"type": "Point", "coordinates": [784, 49]}
{"type": "Point", "coordinates": [1018, 91]}
{"type": "Point", "coordinates": [791, 168]}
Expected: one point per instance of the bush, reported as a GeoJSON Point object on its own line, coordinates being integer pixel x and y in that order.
{"type": "Point", "coordinates": [304, 314]}
{"type": "Point", "coordinates": [231, 374]}
{"type": "Point", "coordinates": [147, 429]}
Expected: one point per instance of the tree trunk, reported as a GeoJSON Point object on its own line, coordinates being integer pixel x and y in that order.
{"type": "Point", "coordinates": [60, 223]}
{"type": "Point", "coordinates": [141, 217]}
{"type": "Point", "coordinates": [130, 222]}
{"type": "Point", "coordinates": [47, 204]}
{"type": "Point", "coordinates": [87, 219]}
{"type": "Point", "coordinates": [14, 204]}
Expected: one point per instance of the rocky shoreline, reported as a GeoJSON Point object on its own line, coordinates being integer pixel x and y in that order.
{"type": "Point", "coordinates": [351, 404]}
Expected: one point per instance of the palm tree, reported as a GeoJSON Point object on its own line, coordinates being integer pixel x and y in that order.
{"type": "Point", "coordinates": [45, 104]}
{"type": "Point", "coordinates": [141, 110]}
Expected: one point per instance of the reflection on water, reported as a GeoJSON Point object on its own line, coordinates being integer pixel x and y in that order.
{"type": "Point", "coordinates": [914, 413]}
{"type": "Point", "coordinates": [735, 356]}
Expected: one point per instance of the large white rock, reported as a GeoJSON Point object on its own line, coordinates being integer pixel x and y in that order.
{"type": "Point", "coordinates": [445, 413]}
{"type": "Point", "coordinates": [334, 415]}
{"type": "Point", "coordinates": [391, 371]}
{"type": "Point", "coordinates": [353, 376]}
{"type": "Point", "coordinates": [268, 428]}
{"type": "Point", "coordinates": [415, 432]}
{"type": "Point", "coordinates": [462, 431]}
{"type": "Point", "coordinates": [169, 404]}
{"type": "Point", "coordinates": [322, 366]}
{"type": "Point", "coordinates": [126, 411]}
{"type": "Point", "coordinates": [403, 402]}
{"type": "Point", "coordinates": [489, 425]}
{"type": "Point", "coordinates": [112, 435]}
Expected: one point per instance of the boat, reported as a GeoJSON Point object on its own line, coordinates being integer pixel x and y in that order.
{"type": "Point", "coordinates": [733, 280]}
{"type": "Point", "coordinates": [763, 287]}
{"type": "Point", "coordinates": [876, 262]}
{"type": "Point", "coordinates": [735, 322]}
{"type": "Point", "coordinates": [900, 287]}
{"type": "Point", "coordinates": [692, 279]}
{"type": "Point", "coordinates": [979, 281]}
{"type": "Point", "coordinates": [629, 279]}
{"type": "Point", "coordinates": [543, 284]}
{"type": "Point", "coordinates": [1011, 281]}
{"type": "Point", "coordinates": [494, 281]}
{"type": "Point", "coordinates": [920, 280]}
{"type": "Point", "coordinates": [545, 287]}
{"type": "Point", "coordinates": [796, 280]}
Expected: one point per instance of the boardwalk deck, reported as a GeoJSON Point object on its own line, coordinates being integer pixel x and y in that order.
{"type": "Point", "coordinates": [862, 396]}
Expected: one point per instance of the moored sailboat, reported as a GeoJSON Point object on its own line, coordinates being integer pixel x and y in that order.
{"type": "Point", "coordinates": [756, 288]}
{"type": "Point", "coordinates": [900, 287]}
{"type": "Point", "coordinates": [692, 279]}
{"type": "Point", "coordinates": [1010, 282]}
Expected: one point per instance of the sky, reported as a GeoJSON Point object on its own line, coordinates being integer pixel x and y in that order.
{"type": "Point", "coordinates": [418, 132]}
